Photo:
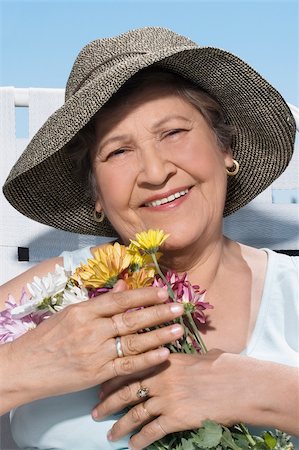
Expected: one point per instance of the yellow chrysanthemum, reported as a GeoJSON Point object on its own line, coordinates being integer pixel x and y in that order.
{"type": "Point", "coordinates": [105, 269]}
{"type": "Point", "coordinates": [138, 257]}
{"type": "Point", "coordinates": [150, 241]}
{"type": "Point", "coordinates": [76, 276]}
{"type": "Point", "coordinates": [141, 278]}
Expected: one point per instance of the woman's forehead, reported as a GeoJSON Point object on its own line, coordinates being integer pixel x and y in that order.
{"type": "Point", "coordinates": [161, 99]}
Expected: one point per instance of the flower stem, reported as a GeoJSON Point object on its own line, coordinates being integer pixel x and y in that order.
{"type": "Point", "coordinates": [197, 333]}
{"type": "Point", "coordinates": [170, 291]}
{"type": "Point", "coordinates": [247, 434]}
{"type": "Point", "coordinates": [169, 288]}
{"type": "Point", "coordinates": [172, 348]}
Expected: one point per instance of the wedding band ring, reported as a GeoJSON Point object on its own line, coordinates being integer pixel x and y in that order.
{"type": "Point", "coordinates": [143, 392]}
{"type": "Point", "coordinates": [118, 347]}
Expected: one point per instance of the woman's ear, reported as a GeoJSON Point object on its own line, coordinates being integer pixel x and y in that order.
{"type": "Point", "coordinates": [228, 158]}
{"type": "Point", "coordinates": [98, 205]}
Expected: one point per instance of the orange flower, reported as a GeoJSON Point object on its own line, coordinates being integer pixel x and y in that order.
{"type": "Point", "coordinates": [106, 267]}
{"type": "Point", "coordinates": [141, 278]}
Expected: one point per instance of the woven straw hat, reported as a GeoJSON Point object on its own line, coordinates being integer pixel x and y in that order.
{"type": "Point", "coordinates": [42, 184]}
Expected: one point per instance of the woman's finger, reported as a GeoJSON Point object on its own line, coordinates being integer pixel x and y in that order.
{"type": "Point", "coordinates": [112, 385]}
{"type": "Point", "coordinates": [140, 414]}
{"type": "Point", "coordinates": [125, 394]}
{"type": "Point", "coordinates": [111, 303]}
{"type": "Point", "coordinates": [117, 401]}
{"type": "Point", "coordinates": [120, 286]}
{"type": "Point", "coordinates": [150, 432]}
{"type": "Point", "coordinates": [132, 364]}
{"type": "Point", "coordinates": [133, 321]}
{"type": "Point", "coordinates": [138, 343]}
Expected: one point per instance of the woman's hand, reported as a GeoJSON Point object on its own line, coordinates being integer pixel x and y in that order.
{"type": "Point", "coordinates": [76, 348]}
{"type": "Point", "coordinates": [187, 389]}
{"type": "Point", "coordinates": [181, 395]}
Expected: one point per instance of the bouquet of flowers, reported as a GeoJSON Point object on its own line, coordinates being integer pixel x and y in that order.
{"type": "Point", "coordinates": [138, 266]}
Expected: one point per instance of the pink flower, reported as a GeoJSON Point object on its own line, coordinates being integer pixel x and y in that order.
{"type": "Point", "coordinates": [10, 327]}
{"type": "Point", "coordinates": [98, 291]}
{"type": "Point", "coordinates": [191, 295]}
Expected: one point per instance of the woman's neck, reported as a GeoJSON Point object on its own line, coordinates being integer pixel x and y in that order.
{"type": "Point", "coordinates": [202, 264]}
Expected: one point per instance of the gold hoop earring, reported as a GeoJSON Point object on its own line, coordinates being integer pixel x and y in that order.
{"type": "Point", "coordinates": [234, 169]}
{"type": "Point", "coordinates": [98, 216]}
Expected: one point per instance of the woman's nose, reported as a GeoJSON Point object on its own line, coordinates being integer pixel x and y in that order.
{"type": "Point", "coordinates": [155, 168]}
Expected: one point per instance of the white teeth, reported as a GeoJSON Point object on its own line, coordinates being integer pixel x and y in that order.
{"type": "Point", "coordinates": [164, 200]}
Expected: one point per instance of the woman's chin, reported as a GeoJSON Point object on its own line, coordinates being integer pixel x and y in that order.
{"type": "Point", "coordinates": [179, 242]}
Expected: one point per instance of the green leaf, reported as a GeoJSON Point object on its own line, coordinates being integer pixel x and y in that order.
{"type": "Point", "coordinates": [179, 447]}
{"type": "Point", "coordinates": [209, 435]}
{"type": "Point", "coordinates": [270, 440]}
{"type": "Point", "coordinates": [260, 446]}
{"type": "Point", "coordinates": [188, 444]}
{"type": "Point", "coordinates": [241, 441]}
{"type": "Point", "coordinates": [228, 441]}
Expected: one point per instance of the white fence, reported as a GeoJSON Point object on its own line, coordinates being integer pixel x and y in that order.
{"type": "Point", "coordinates": [262, 223]}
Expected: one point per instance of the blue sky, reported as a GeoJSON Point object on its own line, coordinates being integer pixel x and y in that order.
{"type": "Point", "coordinates": [40, 39]}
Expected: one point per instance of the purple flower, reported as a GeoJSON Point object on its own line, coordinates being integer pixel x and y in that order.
{"type": "Point", "coordinates": [184, 292]}
{"type": "Point", "coordinates": [98, 291]}
{"type": "Point", "coordinates": [11, 327]}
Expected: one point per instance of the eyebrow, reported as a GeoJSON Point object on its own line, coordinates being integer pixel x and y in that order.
{"type": "Point", "coordinates": [117, 138]}
{"type": "Point", "coordinates": [168, 118]}
{"type": "Point", "coordinates": [156, 126]}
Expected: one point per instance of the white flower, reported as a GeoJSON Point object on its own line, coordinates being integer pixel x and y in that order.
{"type": "Point", "coordinates": [23, 310]}
{"type": "Point", "coordinates": [73, 294]}
{"type": "Point", "coordinates": [40, 289]}
{"type": "Point", "coordinates": [49, 285]}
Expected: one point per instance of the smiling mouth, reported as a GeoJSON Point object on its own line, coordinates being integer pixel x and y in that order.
{"type": "Point", "coordinates": [169, 199]}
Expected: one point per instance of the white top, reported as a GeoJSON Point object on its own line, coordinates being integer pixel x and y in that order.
{"type": "Point", "coordinates": [65, 423]}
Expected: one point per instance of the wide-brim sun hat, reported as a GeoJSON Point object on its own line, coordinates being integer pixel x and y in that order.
{"type": "Point", "coordinates": [43, 185]}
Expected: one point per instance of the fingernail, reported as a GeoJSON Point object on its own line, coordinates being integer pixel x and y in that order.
{"type": "Point", "coordinates": [177, 308]}
{"type": "Point", "coordinates": [163, 352]}
{"type": "Point", "coordinates": [163, 294]}
{"type": "Point", "coordinates": [94, 414]}
{"type": "Point", "coordinates": [109, 435]}
{"type": "Point", "coordinates": [176, 329]}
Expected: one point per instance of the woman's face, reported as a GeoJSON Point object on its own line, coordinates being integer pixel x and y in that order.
{"type": "Point", "coordinates": [157, 165]}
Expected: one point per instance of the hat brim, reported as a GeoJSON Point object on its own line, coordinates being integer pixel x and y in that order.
{"type": "Point", "coordinates": [42, 184]}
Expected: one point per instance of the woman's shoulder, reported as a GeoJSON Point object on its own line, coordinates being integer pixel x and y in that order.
{"type": "Point", "coordinates": [256, 260]}
{"type": "Point", "coordinates": [73, 259]}
{"type": "Point", "coordinates": [276, 271]}
{"type": "Point", "coordinates": [275, 259]}
{"type": "Point", "coordinates": [271, 339]}
{"type": "Point", "coordinates": [282, 262]}
{"type": "Point", "coordinates": [281, 283]}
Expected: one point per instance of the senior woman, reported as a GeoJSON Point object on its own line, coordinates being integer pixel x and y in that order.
{"type": "Point", "coordinates": [157, 132]}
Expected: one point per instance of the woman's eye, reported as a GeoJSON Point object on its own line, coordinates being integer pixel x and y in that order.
{"type": "Point", "coordinates": [119, 151]}
{"type": "Point", "coordinates": [174, 132]}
